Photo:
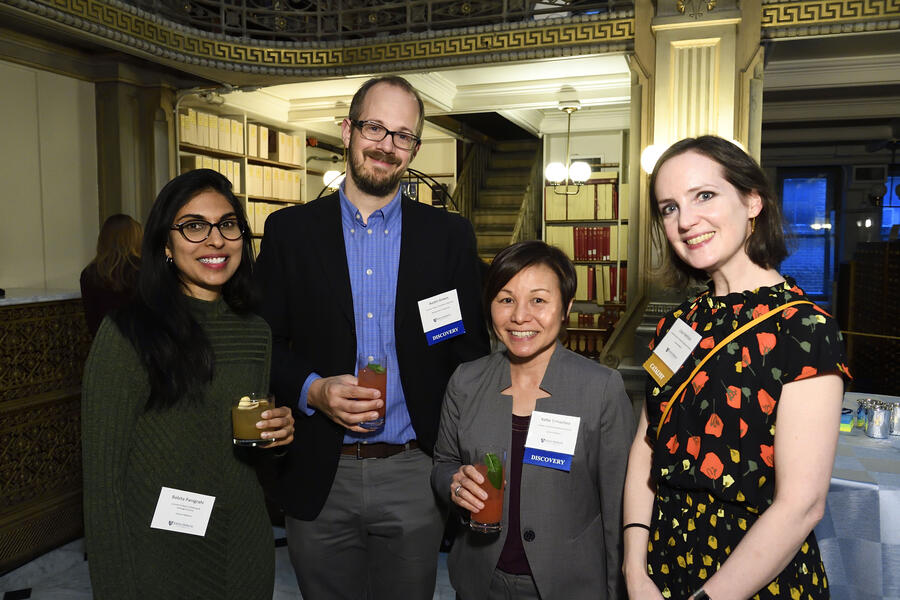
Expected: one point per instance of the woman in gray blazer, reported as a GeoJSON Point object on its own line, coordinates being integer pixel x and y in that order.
{"type": "Point", "coordinates": [561, 534]}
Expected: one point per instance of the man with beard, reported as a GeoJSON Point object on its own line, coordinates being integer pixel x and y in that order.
{"type": "Point", "coordinates": [343, 277]}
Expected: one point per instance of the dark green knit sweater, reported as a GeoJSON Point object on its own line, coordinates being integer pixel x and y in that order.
{"type": "Point", "coordinates": [130, 454]}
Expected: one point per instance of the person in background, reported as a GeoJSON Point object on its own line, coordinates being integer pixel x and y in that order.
{"type": "Point", "coordinates": [560, 535]}
{"type": "Point", "coordinates": [731, 463]}
{"type": "Point", "coordinates": [343, 276]}
{"type": "Point", "coordinates": [108, 282]}
{"type": "Point", "coordinates": [158, 388]}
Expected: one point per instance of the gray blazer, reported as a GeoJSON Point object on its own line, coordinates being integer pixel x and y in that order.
{"type": "Point", "coordinates": [570, 521]}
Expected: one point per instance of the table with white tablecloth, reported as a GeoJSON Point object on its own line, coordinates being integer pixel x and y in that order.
{"type": "Point", "coordinates": [860, 534]}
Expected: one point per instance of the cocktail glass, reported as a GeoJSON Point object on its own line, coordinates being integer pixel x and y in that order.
{"type": "Point", "coordinates": [372, 373]}
{"type": "Point", "coordinates": [492, 466]}
{"type": "Point", "coordinates": [245, 414]}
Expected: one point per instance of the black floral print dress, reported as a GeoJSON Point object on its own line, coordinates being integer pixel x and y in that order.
{"type": "Point", "coordinates": [713, 461]}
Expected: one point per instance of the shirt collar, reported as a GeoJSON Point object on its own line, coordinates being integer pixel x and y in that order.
{"type": "Point", "coordinates": [350, 215]}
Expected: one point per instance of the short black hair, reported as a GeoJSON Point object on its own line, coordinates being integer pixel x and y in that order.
{"type": "Point", "coordinates": [766, 244]}
{"type": "Point", "coordinates": [521, 255]}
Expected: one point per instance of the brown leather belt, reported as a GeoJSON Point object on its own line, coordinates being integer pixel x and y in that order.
{"type": "Point", "coordinates": [377, 450]}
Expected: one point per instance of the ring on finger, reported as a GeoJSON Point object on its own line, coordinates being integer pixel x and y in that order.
{"type": "Point", "coordinates": [456, 491]}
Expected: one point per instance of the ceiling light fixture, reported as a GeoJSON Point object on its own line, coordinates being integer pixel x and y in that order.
{"type": "Point", "coordinates": [563, 176]}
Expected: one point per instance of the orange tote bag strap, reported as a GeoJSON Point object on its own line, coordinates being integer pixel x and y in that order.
{"type": "Point", "coordinates": [683, 387]}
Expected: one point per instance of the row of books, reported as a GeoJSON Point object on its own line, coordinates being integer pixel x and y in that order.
{"type": "Point", "coordinates": [226, 133]}
{"type": "Point", "coordinates": [231, 169]}
{"type": "Point", "coordinates": [583, 243]}
{"type": "Point", "coordinates": [212, 131]}
{"type": "Point", "coordinates": [593, 201]}
{"type": "Point", "coordinates": [258, 212]}
{"type": "Point", "coordinates": [601, 283]}
{"type": "Point", "coordinates": [272, 182]}
{"type": "Point", "coordinates": [263, 142]}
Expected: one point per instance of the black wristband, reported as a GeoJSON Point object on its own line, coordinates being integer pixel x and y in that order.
{"type": "Point", "coordinates": [700, 595]}
{"type": "Point", "coordinates": [641, 525]}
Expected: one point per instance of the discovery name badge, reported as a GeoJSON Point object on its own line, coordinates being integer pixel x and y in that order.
{"type": "Point", "coordinates": [183, 512]}
{"type": "Point", "coordinates": [551, 440]}
{"type": "Point", "coordinates": [441, 317]}
{"type": "Point", "coordinates": [671, 352]}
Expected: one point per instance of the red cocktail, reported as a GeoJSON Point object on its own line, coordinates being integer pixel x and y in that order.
{"type": "Point", "coordinates": [492, 467]}
{"type": "Point", "coordinates": [372, 373]}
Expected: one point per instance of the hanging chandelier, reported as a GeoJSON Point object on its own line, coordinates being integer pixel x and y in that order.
{"type": "Point", "coordinates": [567, 178]}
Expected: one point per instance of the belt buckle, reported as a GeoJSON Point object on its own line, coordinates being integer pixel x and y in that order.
{"type": "Point", "coordinates": [358, 449]}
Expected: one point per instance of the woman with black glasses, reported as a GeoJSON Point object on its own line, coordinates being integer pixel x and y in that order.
{"type": "Point", "coordinates": [171, 507]}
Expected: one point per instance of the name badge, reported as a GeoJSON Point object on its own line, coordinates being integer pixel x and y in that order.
{"type": "Point", "coordinates": [671, 352]}
{"type": "Point", "coordinates": [182, 512]}
{"type": "Point", "coordinates": [551, 440]}
{"type": "Point", "coordinates": [441, 317]}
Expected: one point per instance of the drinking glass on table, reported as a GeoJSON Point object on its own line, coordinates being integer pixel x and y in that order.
{"type": "Point", "coordinates": [372, 373]}
{"type": "Point", "coordinates": [491, 464]}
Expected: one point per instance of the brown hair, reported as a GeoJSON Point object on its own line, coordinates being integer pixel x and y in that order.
{"type": "Point", "coordinates": [118, 252]}
{"type": "Point", "coordinates": [395, 80]}
{"type": "Point", "coordinates": [521, 255]}
{"type": "Point", "coordinates": [765, 245]}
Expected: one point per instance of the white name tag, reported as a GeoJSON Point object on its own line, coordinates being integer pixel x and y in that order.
{"type": "Point", "coordinates": [551, 440]}
{"type": "Point", "coordinates": [441, 317]}
{"type": "Point", "coordinates": [672, 351]}
{"type": "Point", "coordinates": [181, 511]}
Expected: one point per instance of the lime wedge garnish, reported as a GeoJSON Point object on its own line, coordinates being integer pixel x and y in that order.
{"type": "Point", "coordinates": [494, 470]}
{"type": "Point", "coordinates": [375, 368]}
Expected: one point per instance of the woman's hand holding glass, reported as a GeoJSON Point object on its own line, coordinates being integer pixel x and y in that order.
{"type": "Point", "coordinates": [280, 425]}
{"type": "Point", "coordinates": [465, 489]}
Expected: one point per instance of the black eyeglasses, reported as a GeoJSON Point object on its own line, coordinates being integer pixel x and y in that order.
{"type": "Point", "coordinates": [198, 230]}
{"type": "Point", "coordinates": [374, 132]}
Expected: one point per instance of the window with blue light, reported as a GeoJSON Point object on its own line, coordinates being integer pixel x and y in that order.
{"type": "Point", "coordinates": [806, 211]}
{"type": "Point", "coordinates": [890, 207]}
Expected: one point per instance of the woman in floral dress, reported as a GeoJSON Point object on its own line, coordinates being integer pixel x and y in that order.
{"type": "Point", "coordinates": [719, 502]}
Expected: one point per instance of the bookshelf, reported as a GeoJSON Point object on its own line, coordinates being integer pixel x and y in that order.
{"type": "Point", "coordinates": [591, 227]}
{"type": "Point", "coordinates": [265, 163]}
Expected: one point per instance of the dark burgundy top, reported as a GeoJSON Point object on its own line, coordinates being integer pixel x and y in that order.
{"type": "Point", "coordinates": [99, 300]}
{"type": "Point", "coordinates": [512, 557]}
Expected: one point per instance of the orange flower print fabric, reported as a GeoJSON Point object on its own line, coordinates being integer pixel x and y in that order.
{"type": "Point", "coordinates": [714, 460]}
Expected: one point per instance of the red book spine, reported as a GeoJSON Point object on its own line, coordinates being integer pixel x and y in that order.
{"type": "Point", "coordinates": [579, 243]}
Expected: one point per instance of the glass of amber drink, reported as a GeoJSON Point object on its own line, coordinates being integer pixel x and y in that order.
{"type": "Point", "coordinates": [372, 373]}
{"type": "Point", "coordinates": [492, 466]}
{"type": "Point", "coordinates": [245, 414]}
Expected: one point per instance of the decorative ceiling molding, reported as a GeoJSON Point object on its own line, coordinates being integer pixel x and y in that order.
{"type": "Point", "coordinates": [134, 30]}
{"type": "Point", "coordinates": [812, 18]}
{"type": "Point", "coordinates": [832, 72]}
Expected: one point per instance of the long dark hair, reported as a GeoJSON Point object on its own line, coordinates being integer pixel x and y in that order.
{"type": "Point", "coordinates": [118, 253]}
{"type": "Point", "coordinates": [765, 246]}
{"type": "Point", "coordinates": [169, 340]}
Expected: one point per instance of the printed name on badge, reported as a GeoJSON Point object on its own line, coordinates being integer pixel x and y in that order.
{"type": "Point", "coordinates": [551, 440]}
{"type": "Point", "coordinates": [182, 511]}
{"type": "Point", "coordinates": [441, 317]}
{"type": "Point", "coordinates": [671, 352]}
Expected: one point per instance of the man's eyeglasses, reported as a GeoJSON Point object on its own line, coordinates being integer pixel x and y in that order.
{"type": "Point", "coordinates": [374, 132]}
{"type": "Point", "coordinates": [198, 231]}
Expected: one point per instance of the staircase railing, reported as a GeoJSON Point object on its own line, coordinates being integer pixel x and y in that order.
{"type": "Point", "coordinates": [529, 212]}
{"type": "Point", "coordinates": [471, 179]}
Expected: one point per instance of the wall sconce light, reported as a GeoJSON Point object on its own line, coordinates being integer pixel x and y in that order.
{"type": "Point", "coordinates": [333, 179]}
{"type": "Point", "coordinates": [569, 174]}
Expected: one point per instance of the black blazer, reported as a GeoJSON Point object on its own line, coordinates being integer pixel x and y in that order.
{"type": "Point", "coordinates": [303, 275]}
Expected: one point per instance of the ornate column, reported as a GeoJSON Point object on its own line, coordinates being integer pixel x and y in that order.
{"type": "Point", "coordinates": [696, 69]}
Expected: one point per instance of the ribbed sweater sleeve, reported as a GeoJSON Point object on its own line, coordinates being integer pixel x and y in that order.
{"type": "Point", "coordinates": [114, 388]}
